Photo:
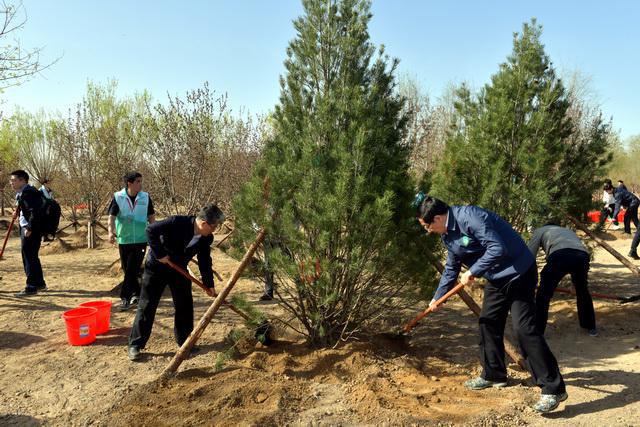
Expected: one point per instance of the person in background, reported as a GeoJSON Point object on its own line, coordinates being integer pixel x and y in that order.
{"type": "Point", "coordinates": [628, 200]}
{"type": "Point", "coordinates": [46, 189]}
{"type": "Point", "coordinates": [130, 211]}
{"type": "Point", "coordinates": [31, 205]}
{"type": "Point", "coordinates": [565, 254]}
{"type": "Point", "coordinates": [609, 206]}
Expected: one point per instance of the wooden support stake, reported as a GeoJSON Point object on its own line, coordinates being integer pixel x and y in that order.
{"type": "Point", "coordinates": [635, 270]}
{"type": "Point", "coordinates": [186, 347]}
{"type": "Point", "coordinates": [224, 238]}
{"type": "Point", "coordinates": [509, 348]}
{"type": "Point", "coordinates": [6, 238]}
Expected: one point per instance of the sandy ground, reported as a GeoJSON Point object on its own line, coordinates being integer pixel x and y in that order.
{"type": "Point", "coordinates": [44, 381]}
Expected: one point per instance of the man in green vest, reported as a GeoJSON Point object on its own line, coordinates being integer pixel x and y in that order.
{"type": "Point", "coordinates": [130, 211]}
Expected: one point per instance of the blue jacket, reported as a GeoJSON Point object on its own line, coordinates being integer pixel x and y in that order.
{"type": "Point", "coordinates": [171, 237]}
{"type": "Point", "coordinates": [623, 198]}
{"type": "Point", "coordinates": [485, 243]}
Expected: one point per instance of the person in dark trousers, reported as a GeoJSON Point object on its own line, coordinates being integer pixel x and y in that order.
{"type": "Point", "coordinates": [130, 211]}
{"type": "Point", "coordinates": [565, 254]}
{"type": "Point", "coordinates": [176, 239]}
{"type": "Point", "coordinates": [31, 204]}
{"type": "Point", "coordinates": [630, 201]}
{"type": "Point", "coordinates": [608, 208]}
{"type": "Point", "coordinates": [490, 248]}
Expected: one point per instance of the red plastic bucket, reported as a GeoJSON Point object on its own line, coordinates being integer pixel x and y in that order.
{"type": "Point", "coordinates": [81, 325]}
{"type": "Point", "coordinates": [102, 317]}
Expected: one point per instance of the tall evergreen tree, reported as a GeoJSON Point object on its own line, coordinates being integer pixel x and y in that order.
{"type": "Point", "coordinates": [342, 237]}
{"type": "Point", "coordinates": [517, 148]}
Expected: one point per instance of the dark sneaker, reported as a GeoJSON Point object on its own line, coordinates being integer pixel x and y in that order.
{"type": "Point", "coordinates": [134, 300]}
{"type": "Point", "coordinates": [42, 288]}
{"type": "Point", "coordinates": [480, 383]}
{"type": "Point", "coordinates": [633, 254]}
{"type": "Point", "coordinates": [266, 297]}
{"type": "Point", "coordinates": [133, 353]}
{"type": "Point", "coordinates": [549, 402]}
{"type": "Point", "coordinates": [593, 332]}
{"type": "Point", "coordinates": [124, 305]}
{"type": "Point", "coordinates": [26, 293]}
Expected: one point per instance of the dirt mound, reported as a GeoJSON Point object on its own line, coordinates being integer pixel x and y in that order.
{"type": "Point", "coordinates": [58, 246]}
{"type": "Point", "coordinates": [290, 383]}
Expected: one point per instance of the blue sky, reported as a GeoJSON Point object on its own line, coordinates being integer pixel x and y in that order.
{"type": "Point", "coordinates": [239, 47]}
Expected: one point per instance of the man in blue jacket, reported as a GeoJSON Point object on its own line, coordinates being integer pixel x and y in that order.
{"type": "Point", "coordinates": [490, 248]}
{"type": "Point", "coordinates": [177, 239]}
{"type": "Point", "coordinates": [628, 200]}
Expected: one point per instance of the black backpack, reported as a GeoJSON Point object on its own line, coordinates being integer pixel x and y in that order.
{"type": "Point", "coordinates": [51, 217]}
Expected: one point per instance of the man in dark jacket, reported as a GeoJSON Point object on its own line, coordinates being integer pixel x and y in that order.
{"type": "Point", "coordinates": [628, 200]}
{"type": "Point", "coordinates": [31, 204]}
{"type": "Point", "coordinates": [176, 239]}
{"type": "Point", "coordinates": [490, 248]}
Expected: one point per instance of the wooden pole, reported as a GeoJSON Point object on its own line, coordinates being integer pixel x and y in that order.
{"type": "Point", "coordinates": [509, 348]}
{"type": "Point", "coordinates": [6, 238]}
{"type": "Point", "coordinates": [224, 238]}
{"type": "Point", "coordinates": [188, 276]}
{"type": "Point", "coordinates": [635, 270]}
{"type": "Point", "coordinates": [186, 347]}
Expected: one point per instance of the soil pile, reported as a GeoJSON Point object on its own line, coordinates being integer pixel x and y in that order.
{"type": "Point", "coordinates": [290, 383]}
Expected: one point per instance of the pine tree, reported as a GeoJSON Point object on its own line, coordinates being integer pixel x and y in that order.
{"type": "Point", "coordinates": [342, 239]}
{"type": "Point", "coordinates": [516, 148]}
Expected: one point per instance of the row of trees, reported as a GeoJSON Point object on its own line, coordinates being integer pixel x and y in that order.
{"type": "Point", "coordinates": [350, 148]}
{"type": "Point", "coordinates": [344, 151]}
{"type": "Point", "coordinates": [626, 163]}
{"type": "Point", "coordinates": [191, 150]}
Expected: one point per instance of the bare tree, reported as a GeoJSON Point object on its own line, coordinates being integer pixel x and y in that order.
{"type": "Point", "coordinates": [16, 62]}
{"type": "Point", "coordinates": [198, 152]}
{"type": "Point", "coordinates": [97, 145]}
{"type": "Point", "coordinates": [427, 126]}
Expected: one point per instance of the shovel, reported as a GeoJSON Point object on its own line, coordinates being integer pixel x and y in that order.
{"type": "Point", "coordinates": [13, 220]}
{"type": "Point", "coordinates": [622, 300]}
{"type": "Point", "coordinates": [412, 324]}
{"type": "Point", "coordinates": [264, 329]}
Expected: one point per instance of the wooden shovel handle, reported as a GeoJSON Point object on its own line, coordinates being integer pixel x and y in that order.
{"type": "Point", "coordinates": [409, 326]}
{"type": "Point", "coordinates": [186, 274]}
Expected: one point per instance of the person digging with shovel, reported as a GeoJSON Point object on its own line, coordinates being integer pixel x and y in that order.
{"type": "Point", "coordinates": [176, 239]}
{"type": "Point", "coordinates": [491, 248]}
{"type": "Point", "coordinates": [565, 254]}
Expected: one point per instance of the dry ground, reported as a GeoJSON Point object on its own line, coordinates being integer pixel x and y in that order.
{"type": "Point", "coordinates": [44, 381]}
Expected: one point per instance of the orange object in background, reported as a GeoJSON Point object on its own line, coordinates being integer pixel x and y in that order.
{"type": "Point", "coordinates": [594, 216]}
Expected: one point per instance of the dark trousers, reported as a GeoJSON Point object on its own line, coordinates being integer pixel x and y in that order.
{"type": "Point", "coordinates": [31, 262]}
{"type": "Point", "coordinates": [516, 296]}
{"type": "Point", "coordinates": [153, 284]}
{"type": "Point", "coordinates": [559, 264]}
{"type": "Point", "coordinates": [131, 257]}
{"type": "Point", "coordinates": [631, 214]}
{"type": "Point", "coordinates": [604, 213]}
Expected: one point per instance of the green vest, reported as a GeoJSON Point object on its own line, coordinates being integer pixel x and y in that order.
{"type": "Point", "coordinates": [131, 221]}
